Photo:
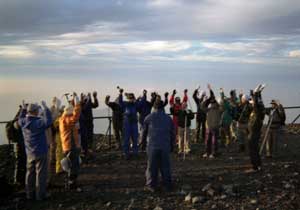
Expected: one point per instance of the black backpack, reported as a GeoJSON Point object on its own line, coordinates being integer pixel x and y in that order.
{"type": "Point", "coordinates": [282, 115]}
{"type": "Point", "coordinates": [10, 131]}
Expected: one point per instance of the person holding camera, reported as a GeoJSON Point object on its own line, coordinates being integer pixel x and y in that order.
{"type": "Point", "coordinates": [176, 105]}
{"type": "Point", "coordinates": [88, 104]}
{"type": "Point", "coordinates": [68, 129]}
{"type": "Point", "coordinates": [201, 116]}
{"type": "Point", "coordinates": [130, 122]}
{"type": "Point", "coordinates": [255, 124]}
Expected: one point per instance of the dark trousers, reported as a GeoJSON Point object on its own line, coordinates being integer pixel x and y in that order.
{"type": "Point", "coordinates": [158, 160]}
{"type": "Point", "coordinates": [20, 173]}
{"type": "Point", "coordinates": [254, 137]}
{"type": "Point", "coordinates": [84, 138]}
{"type": "Point", "coordinates": [130, 132]}
{"type": "Point", "coordinates": [72, 174]}
{"type": "Point", "coordinates": [211, 140]}
{"type": "Point", "coordinates": [118, 132]}
{"type": "Point", "coordinates": [90, 134]}
{"type": "Point", "coordinates": [36, 177]}
{"type": "Point", "coordinates": [273, 140]}
{"type": "Point", "coordinates": [200, 127]}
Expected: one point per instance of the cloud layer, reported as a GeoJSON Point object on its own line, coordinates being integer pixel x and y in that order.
{"type": "Point", "coordinates": [137, 33]}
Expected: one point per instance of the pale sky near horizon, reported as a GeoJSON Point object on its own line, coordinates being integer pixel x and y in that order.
{"type": "Point", "coordinates": [51, 47]}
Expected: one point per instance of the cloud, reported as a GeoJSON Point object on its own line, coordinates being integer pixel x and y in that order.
{"type": "Point", "coordinates": [248, 47]}
{"type": "Point", "coordinates": [163, 3]}
{"type": "Point", "coordinates": [294, 54]}
{"type": "Point", "coordinates": [15, 52]}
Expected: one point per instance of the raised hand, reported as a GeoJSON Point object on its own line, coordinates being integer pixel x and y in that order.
{"type": "Point", "coordinates": [95, 94]}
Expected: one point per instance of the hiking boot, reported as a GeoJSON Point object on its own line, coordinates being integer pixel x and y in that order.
{"type": "Point", "coordinates": [149, 189]}
{"type": "Point", "coordinates": [211, 156]}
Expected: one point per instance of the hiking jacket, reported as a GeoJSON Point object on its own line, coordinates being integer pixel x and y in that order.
{"type": "Point", "coordinates": [130, 109]}
{"type": "Point", "coordinates": [185, 115]}
{"type": "Point", "coordinates": [34, 132]}
{"type": "Point", "coordinates": [68, 128]}
{"type": "Point", "coordinates": [158, 131]}
{"type": "Point", "coordinates": [201, 115]}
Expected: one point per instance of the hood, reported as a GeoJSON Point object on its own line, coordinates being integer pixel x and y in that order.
{"type": "Point", "coordinates": [29, 120]}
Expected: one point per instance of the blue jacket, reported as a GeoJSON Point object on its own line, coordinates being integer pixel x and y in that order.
{"type": "Point", "coordinates": [159, 131]}
{"type": "Point", "coordinates": [130, 109]}
{"type": "Point", "coordinates": [34, 132]}
{"type": "Point", "coordinates": [144, 111]}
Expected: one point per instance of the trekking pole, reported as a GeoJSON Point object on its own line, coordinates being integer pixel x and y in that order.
{"type": "Point", "coordinates": [267, 133]}
{"type": "Point", "coordinates": [185, 135]}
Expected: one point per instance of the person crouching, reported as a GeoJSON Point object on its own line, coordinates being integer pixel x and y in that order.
{"type": "Point", "coordinates": [70, 141]}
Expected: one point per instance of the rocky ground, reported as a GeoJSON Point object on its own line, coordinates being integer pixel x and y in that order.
{"type": "Point", "coordinates": [109, 182]}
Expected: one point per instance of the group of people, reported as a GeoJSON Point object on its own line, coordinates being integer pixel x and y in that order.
{"type": "Point", "coordinates": [68, 132]}
{"type": "Point", "coordinates": [51, 140]}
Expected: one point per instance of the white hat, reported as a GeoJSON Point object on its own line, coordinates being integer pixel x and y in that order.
{"type": "Point", "coordinates": [68, 110]}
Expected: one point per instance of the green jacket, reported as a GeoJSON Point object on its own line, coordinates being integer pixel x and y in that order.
{"type": "Point", "coordinates": [226, 118]}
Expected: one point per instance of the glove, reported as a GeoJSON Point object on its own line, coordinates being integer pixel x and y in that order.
{"type": "Point", "coordinates": [153, 94]}
{"type": "Point", "coordinates": [166, 95]}
{"type": "Point", "coordinates": [174, 92]}
{"type": "Point", "coordinates": [121, 91]}
{"type": "Point", "coordinates": [95, 94]}
{"type": "Point", "coordinates": [76, 100]}
{"type": "Point", "coordinates": [107, 98]}
{"type": "Point", "coordinates": [24, 106]}
{"type": "Point", "coordinates": [44, 105]}
{"type": "Point", "coordinates": [144, 92]}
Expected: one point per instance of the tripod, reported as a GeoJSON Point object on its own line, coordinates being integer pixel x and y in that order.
{"type": "Point", "coordinates": [108, 132]}
{"type": "Point", "coordinates": [267, 133]}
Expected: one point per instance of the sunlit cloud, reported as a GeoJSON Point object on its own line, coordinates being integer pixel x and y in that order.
{"type": "Point", "coordinates": [15, 52]}
{"type": "Point", "coordinates": [294, 54]}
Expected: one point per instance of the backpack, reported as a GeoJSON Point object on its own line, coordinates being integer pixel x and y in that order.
{"type": "Point", "coordinates": [282, 115]}
{"type": "Point", "coordinates": [10, 131]}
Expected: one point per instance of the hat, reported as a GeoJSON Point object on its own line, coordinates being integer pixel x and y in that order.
{"type": "Point", "coordinates": [245, 97]}
{"type": "Point", "coordinates": [273, 101]}
{"type": "Point", "coordinates": [202, 93]}
{"type": "Point", "coordinates": [68, 110]}
{"type": "Point", "coordinates": [32, 108]}
{"type": "Point", "coordinates": [130, 95]}
{"type": "Point", "coordinates": [158, 104]}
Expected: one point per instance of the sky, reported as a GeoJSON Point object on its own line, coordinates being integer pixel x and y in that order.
{"type": "Point", "coordinates": [48, 48]}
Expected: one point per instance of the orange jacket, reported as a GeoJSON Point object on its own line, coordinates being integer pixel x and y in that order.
{"type": "Point", "coordinates": [67, 128]}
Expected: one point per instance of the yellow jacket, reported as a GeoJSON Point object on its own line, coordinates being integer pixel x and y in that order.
{"type": "Point", "coordinates": [68, 129]}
